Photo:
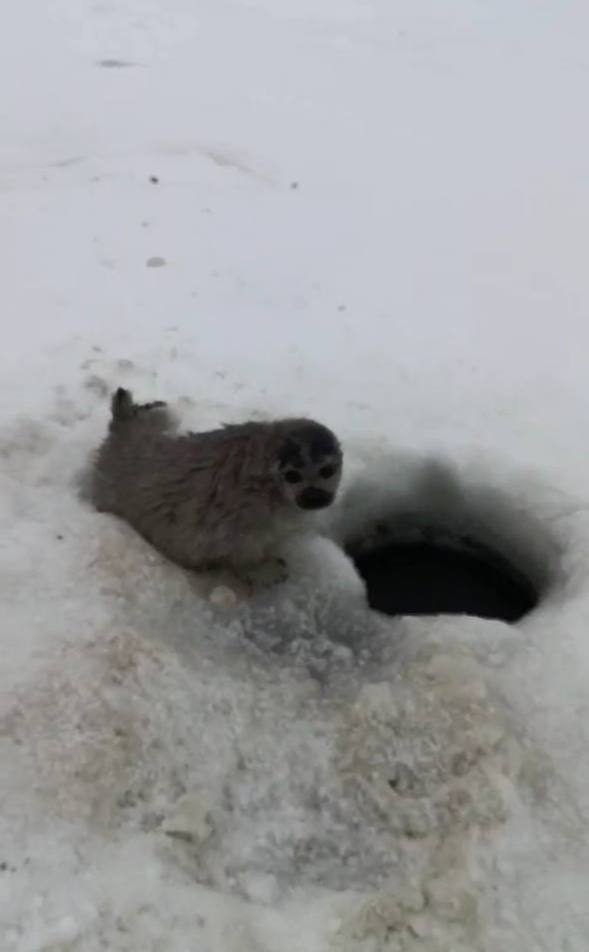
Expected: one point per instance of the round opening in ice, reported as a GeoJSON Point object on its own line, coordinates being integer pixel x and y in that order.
{"type": "Point", "coordinates": [447, 575]}
{"type": "Point", "coordinates": [428, 541]}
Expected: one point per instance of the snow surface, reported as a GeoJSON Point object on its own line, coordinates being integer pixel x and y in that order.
{"type": "Point", "coordinates": [375, 212]}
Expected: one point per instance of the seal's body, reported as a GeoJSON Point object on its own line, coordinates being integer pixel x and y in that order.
{"type": "Point", "coordinates": [228, 497]}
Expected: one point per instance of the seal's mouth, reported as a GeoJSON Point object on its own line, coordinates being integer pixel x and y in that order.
{"type": "Point", "coordinates": [313, 498]}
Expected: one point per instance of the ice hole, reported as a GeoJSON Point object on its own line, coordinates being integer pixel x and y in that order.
{"type": "Point", "coordinates": [453, 576]}
{"type": "Point", "coordinates": [429, 544]}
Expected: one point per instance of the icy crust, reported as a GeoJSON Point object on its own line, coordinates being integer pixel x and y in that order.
{"type": "Point", "coordinates": [288, 772]}
{"type": "Point", "coordinates": [144, 776]}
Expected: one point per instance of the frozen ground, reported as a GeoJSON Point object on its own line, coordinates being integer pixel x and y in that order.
{"type": "Point", "coordinates": [374, 211]}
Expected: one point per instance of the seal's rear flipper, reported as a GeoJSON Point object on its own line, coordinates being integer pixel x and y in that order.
{"type": "Point", "coordinates": [125, 411]}
{"type": "Point", "coordinates": [121, 405]}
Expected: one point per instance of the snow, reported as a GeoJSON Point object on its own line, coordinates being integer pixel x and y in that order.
{"type": "Point", "coordinates": [374, 212]}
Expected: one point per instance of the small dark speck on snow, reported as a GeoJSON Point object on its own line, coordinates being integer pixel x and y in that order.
{"type": "Point", "coordinates": [110, 63]}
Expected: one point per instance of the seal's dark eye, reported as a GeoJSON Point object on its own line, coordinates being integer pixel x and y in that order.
{"type": "Point", "coordinates": [326, 472]}
{"type": "Point", "coordinates": [292, 476]}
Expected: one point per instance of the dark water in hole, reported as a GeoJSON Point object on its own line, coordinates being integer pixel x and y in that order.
{"type": "Point", "coordinates": [420, 578]}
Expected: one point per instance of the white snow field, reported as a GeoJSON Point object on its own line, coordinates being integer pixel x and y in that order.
{"type": "Point", "coordinates": [374, 212]}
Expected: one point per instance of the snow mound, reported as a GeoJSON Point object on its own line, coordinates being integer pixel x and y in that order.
{"type": "Point", "coordinates": [179, 765]}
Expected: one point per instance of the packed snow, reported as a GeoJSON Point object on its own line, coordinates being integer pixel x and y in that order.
{"type": "Point", "coordinates": [373, 212]}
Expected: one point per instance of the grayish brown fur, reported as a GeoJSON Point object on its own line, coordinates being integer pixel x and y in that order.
{"type": "Point", "coordinates": [226, 497]}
